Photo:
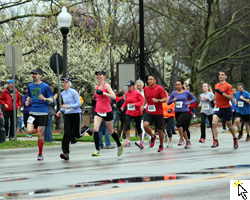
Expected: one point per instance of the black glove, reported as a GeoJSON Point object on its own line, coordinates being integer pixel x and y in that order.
{"type": "Point", "coordinates": [219, 91]}
{"type": "Point", "coordinates": [93, 102]}
{"type": "Point", "coordinates": [212, 104]}
{"type": "Point", "coordinates": [170, 110]}
{"type": "Point", "coordinates": [99, 92]}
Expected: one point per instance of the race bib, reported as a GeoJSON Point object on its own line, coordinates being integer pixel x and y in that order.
{"type": "Point", "coordinates": [69, 109]}
{"type": "Point", "coordinates": [131, 107]}
{"type": "Point", "coordinates": [216, 109]}
{"type": "Point", "coordinates": [30, 120]}
{"type": "Point", "coordinates": [102, 114]}
{"type": "Point", "coordinates": [151, 108]}
{"type": "Point", "coordinates": [178, 104]}
{"type": "Point", "coordinates": [240, 104]}
{"type": "Point", "coordinates": [205, 107]}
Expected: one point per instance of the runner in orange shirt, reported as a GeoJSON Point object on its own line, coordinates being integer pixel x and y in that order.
{"type": "Point", "coordinates": [223, 93]}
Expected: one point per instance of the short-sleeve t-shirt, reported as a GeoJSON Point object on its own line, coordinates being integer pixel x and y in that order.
{"type": "Point", "coordinates": [242, 107]}
{"type": "Point", "coordinates": [221, 101]}
{"type": "Point", "coordinates": [156, 92]}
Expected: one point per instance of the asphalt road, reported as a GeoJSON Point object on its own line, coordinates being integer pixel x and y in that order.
{"type": "Point", "coordinates": [197, 173]}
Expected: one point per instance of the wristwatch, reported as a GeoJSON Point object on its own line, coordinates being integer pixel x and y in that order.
{"type": "Point", "coordinates": [158, 100]}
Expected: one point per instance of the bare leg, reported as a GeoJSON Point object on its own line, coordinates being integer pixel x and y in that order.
{"type": "Point", "coordinates": [148, 129]}
{"type": "Point", "coordinates": [97, 123]}
{"type": "Point", "coordinates": [247, 127]}
{"type": "Point", "coordinates": [230, 126]}
{"type": "Point", "coordinates": [30, 128]}
{"type": "Point", "coordinates": [185, 136]}
{"type": "Point", "coordinates": [180, 130]}
{"type": "Point", "coordinates": [128, 135]}
{"type": "Point", "coordinates": [214, 126]}
{"type": "Point", "coordinates": [40, 132]}
{"type": "Point", "coordinates": [161, 136]}
{"type": "Point", "coordinates": [238, 123]}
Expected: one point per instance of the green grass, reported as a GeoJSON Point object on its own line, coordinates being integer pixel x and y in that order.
{"type": "Point", "coordinates": [23, 144]}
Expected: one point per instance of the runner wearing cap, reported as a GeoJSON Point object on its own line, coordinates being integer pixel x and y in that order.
{"type": "Point", "coordinates": [134, 101]}
{"type": "Point", "coordinates": [40, 94]}
{"type": "Point", "coordinates": [103, 110]}
{"type": "Point", "coordinates": [72, 117]}
{"type": "Point", "coordinates": [154, 97]}
{"type": "Point", "coordinates": [223, 93]}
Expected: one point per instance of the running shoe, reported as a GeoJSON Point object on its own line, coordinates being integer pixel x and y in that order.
{"type": "Point", "coordinates": [248, 138]}
{"type": "Point", "coordinates": [160, 149]}
{"type": "Point", "coordinates": [170, 145]}
{"type": "Point", "coordinates": [40, 157]}
{"type": "Point", "coordinates": [215, 144]}
{"type": "Point", "coordinates": [166, 138]}
{"type": "Point", "coordinates": [90, 131]}
{"type": "Point", "coordinates": [64, 156]}
{"type": "Point", "coordinates": [202, 140]}
{"type": "Point", "coordinates": [152, 143]}
{"type": "Point", "coordinates": [140, 145]}
{"type": "Point", "coordinates": [181, 142]}
{"type": "Point", "coordinates": [29, 136]}
{"type": "Point", "coordinates": [188, 145]}
{"type": "Point", "coordinates": [240, 136]}
{"type": "Point", "coordinates": [109, 147]}
{"type": "Point", "coordinates": [10, 138]}
{"type": "Point", "coordinates": [96, 153]}
{"type": "Point", "coordinates": [120, 150]}
{"type": "Point", "coordinates": [236, 145]}
{"type": "Point", "coordinates": [224, 130]}
{"type": "Point", "coordinates": [127, 144]}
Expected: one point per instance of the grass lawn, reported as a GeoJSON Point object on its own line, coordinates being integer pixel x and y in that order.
{"type": "Point", "coordinates": [23, 144]}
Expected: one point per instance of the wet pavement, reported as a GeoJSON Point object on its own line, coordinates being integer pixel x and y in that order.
{"type": "Point", "coordinates": [177, 173]}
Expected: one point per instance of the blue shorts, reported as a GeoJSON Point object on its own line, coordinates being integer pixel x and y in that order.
{"type": "Point", "coordinates": [227, 113]}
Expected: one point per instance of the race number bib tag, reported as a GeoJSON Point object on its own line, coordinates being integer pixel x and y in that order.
{"type": "Point", "coordinates": [102, 114]}
{"type": "Point", "coordinates": [240, 104]}
{"type": "Point", "coordinates": [216, 109]}
{"type": "Point", "coordinates": [131, 107]}
{"type": "Point", "coordinates": [30, 120]}
{"type": "Point", "coordinates": [151, 108]}
{"type": "Point", "coordinates": [205, 107]}
{"type": "Point", "coordinates": [178, 104]}
{"type": "Point", "coordinates": [69, 109]}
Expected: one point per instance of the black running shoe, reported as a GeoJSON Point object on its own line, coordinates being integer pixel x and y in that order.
{"type": "Point", "coordinates": [64, 156]}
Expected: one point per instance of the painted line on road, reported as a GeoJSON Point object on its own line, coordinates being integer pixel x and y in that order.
{"type": "Point", "coordinates": [143, 187]}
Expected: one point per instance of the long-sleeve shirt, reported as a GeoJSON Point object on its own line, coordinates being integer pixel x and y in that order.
{"type": "Point", "coordinates": [6, 97]}
{"type": "Point", "coordinates": [26, 109]}
{"type": "Point", "coordinates": [72, 100]}
{"type": "Point", "coordinates": [135, 98]}
{"type": "Point", "coordinates": [182, 99]}
{"type": "Point", "coordinates": [205, 103]}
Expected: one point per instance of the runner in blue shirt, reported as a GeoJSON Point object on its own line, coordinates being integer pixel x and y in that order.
{"type": "Point", "coordinates": [242, 110]}
{"type": "Point", "coordinates": [39, 93]}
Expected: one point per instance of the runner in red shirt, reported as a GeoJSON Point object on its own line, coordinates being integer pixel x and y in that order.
{"type": "Point", "coordinates": [154, 97]}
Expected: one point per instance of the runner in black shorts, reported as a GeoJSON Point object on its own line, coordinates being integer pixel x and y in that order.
{"type": "Point", "coordinates": [154, 97]}
{"type": "Point", "coordinates": [223, 93]}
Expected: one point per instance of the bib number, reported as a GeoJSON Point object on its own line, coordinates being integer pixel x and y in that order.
{"type": "Point", "coordinates": [178, 104]}
{"type": "Point", "coordinates": [102, 114]}
{"type": "Point", "coordinates": [205, 107]}
{"type": "Point", "coordinates": [216, 109]}
{"type": "Point", "coordinates": [31, 120]}
{"type": "Point", "coordinates": [131, 107]}
{"type": "Point", "coordinates": [151, 108]}
{"type": "Point", "coordinates": [240, 104]}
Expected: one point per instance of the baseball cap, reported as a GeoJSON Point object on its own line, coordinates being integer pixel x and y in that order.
{"type": "Point", "coordinates": [130, 83]}
{"type": "Point", "coordinates": [67, 79]}
{"type": "Point", "coordinates": [100, 71]}
{"type": "Point", "coordinates": [37, 71]}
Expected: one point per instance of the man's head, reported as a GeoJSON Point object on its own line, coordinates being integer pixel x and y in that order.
{"type": "Point", "coordinates": [37, 74]}
{"type": "Point", "coordinates": [151, 80]}
{"type": "Point", "coordinates": [222, 75]}
{"type": "Point", "coordinates": [139, 85]}
{"type": "Point", "coordinates": [240, 87]}
{"type": "Point", "coordinates": [10, 83]}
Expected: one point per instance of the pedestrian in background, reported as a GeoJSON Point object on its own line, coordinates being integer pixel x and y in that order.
{"type": "Point", "coordinates": [26, 110]}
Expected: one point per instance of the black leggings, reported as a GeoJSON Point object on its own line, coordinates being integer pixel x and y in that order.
{"type": "Point", "coordinates": [189, 121]}
{"type": "Point", "coordinates": [203, 124]}
{"type": "Point", "coordinates": [182, 120]}
{"type": "Point", "coordinates": [137, 119]}
{"type": "Point", "coordinates": [169, 121]}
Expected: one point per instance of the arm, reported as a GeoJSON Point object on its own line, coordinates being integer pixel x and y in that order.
{"type": "Point", "coordinates": [110, 93]}
{"type": "Point", "coordinates": [193, 99]}
{"type": "Point", "coordinates": [170, 100]}
{"type": "Point", "coordinates": [140, 100]}
{"type": "Point", "coordinates": [77, 103]}
{"type": "Point", "coordinates": [244, 99]}
{"type": "Point", "coordinates": [229, 97]}
{"type": "Point", "coordinates": [144, 103]}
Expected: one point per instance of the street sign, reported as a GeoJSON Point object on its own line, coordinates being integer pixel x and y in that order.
{"type": "Point", "coordinates": [9, 57]}
{"type": "Point", "coordinates": [53, 63]}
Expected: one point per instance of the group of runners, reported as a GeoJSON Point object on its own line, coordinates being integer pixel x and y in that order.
{"type": "Point", "coordinates": [153, 104]}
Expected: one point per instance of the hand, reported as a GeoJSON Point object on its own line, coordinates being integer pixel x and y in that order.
{"type": "Point", "coordinates": [154, 100]}
{"type": "Point", "coordinates": [199, 105]}
{"type": "Point", "coordinates": [122, 109]}
{"type": "Point", "coordinates": [99, 92]}
{"type": "Point", "coordinates": [187, 104]}
{"type": "Point", "coordinates": [64, 106]}
{"type": "Point", "coordinates": [58, 113]}
{"type": "Point", "coordinates": [6, 106]}
{"type": "Point", "coordinates": [55, 96]}
{"type": "Point", "coordinates": [142, 108]}
{"type": "Point", "coordinates": [41, 97]}
{"type": "Point", "coordinates": [170, 110]}
{"type": "Point", "coordinates": [219, 91]}
{"type": "Point", "coordinates": [205, 97]}
{"type": "Point", "coordinates": [27, 103]}
{"type": "Point", "coordinates": [241, 97]}
{"type": "Point", "coordinates": [175, 99]}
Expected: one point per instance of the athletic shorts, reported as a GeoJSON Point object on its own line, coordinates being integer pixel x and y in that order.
{"type": "Point", "coordinates": [224, 112]}
{"type": "Point", "coordinates": [37, 120]}
{"type": "Point", "coordinates": [244, 117]}
{"type": "Point", "coordinates": [158, 119]}
{"type": "Point", "coordinates": [106, 116]}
